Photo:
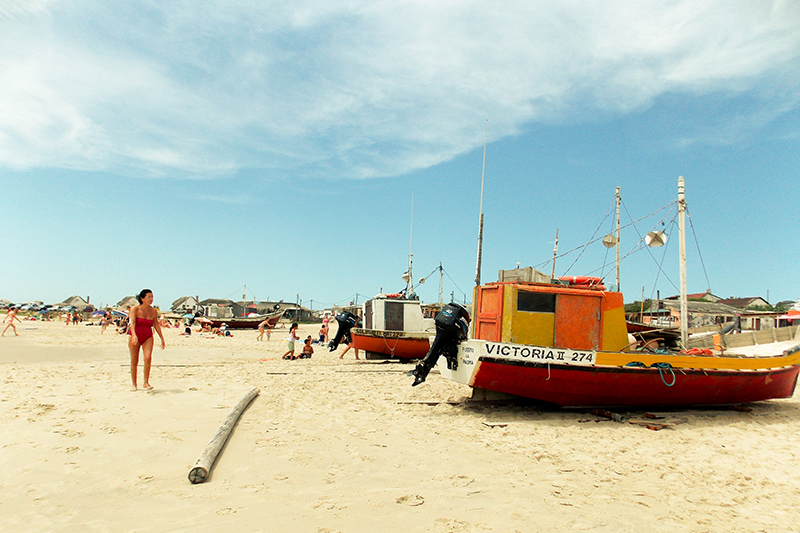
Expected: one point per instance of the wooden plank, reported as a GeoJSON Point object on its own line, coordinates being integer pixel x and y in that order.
{"type": "Point", "coordinates": [208, 456]}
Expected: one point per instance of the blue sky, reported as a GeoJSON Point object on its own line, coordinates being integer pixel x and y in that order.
{"type": "Point", "coordinates": [195, 149]}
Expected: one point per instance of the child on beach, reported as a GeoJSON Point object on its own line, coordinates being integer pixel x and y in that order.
{"type": "Point", "coordinates": [290, 342]}
{"type": "Point", "coordinates": [308, 350]}
{"type": "Point", "coordinates": [11, 315]}
{"type": "Point", "coordinates": [323, 333]}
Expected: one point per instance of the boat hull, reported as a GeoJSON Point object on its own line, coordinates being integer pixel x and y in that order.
{"type": "Point", "coordinates": [246, 322]}
{"type": "Point", "coordinates": [628, 387]}
{"type": "Point", "coordinates": [400, 344]}
{"type": "Point", "coordinates": [597, 385]}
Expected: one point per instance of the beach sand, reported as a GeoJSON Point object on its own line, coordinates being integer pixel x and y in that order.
{"type": "Point", "coordinates": [341, 445]}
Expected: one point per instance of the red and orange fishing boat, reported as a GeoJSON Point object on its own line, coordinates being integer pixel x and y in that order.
{"type": "Point", "coordinates": [569, 346]}
{"type": "Point", "coordinates": [566, 342]}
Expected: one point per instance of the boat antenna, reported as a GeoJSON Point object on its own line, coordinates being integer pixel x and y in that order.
{"type": "Point", "coordinates": [410, 283]}
{"type": "Point", "coordinates": [618, 201]}
{"type": "Point", "coordinates": [555, 253]}
{"type": "Point", "coordinates": [441, 284]}
{"type": "Point", "coordinates": [641, 308]}
{"type": "Point", "coordinates": [480, 219]}
{"type": "Point", "coordinates": [682, 229]}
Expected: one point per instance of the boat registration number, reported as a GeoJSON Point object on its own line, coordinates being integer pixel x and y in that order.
{"type": "Point", "coordinates": [536, 354]}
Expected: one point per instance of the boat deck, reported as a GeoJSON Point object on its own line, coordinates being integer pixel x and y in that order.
{"type": "Point", "coordinates": [762, 350]}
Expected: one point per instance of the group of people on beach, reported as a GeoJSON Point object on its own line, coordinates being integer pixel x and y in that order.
{"type": "Point", "coordinates": [143, 321]}
{"type": "Point", "coordinates": [74, 317]}
{"type": "Point", "coordinates": [307, 351]}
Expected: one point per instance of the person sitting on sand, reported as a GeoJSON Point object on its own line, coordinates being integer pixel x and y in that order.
{"type": "Point", "coordinates": [308, 350]}
{"type": "Point", "coordinates": [11, 315]}
{"type": "Point", "coordinates": [188, 322]}
{"type": "Point", "coordinates": [290, 342]}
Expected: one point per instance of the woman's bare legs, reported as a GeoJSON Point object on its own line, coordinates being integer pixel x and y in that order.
{"type": "Point", "coordinates": [147, 350]}
{"type": "Point", "coordinates": [134, 349]}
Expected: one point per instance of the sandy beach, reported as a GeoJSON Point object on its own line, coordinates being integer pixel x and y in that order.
{"type": "Point", "coordinates": [335, 445]}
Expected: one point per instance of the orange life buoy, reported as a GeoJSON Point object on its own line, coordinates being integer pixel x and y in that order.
{"type": "Point", "coordinates": [582, 280]}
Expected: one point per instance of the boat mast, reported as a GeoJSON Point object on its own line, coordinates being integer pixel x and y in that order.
{"type": "Point", "coordinates": [555, 253]}
{"type": "Point", "coordinates": [441, 284]}
{"type": "Point", "coordinates": [682, 228]}
{"type": "Point", "coordinates": [410, 283]}
{"type": "Point", "coordinates": [618, 200]}
{"type": "Point", "coordinates": [480, 219]}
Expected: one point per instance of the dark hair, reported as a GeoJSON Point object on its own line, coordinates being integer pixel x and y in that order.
{"type": "Point", "coordinates": [294, 325]}
{"type": "Point", "coordinates": [142, 294]}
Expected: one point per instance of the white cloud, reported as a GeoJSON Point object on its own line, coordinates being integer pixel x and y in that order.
{"type": "Point", "coordinates": [358, 89]}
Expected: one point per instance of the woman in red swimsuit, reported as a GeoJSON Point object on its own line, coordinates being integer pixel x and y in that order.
{"type": "Point", "coordinates": [143, 318]}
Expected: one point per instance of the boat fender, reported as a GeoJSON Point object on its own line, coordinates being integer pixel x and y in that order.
{"type": "Point", "coordinates": [394, 295]}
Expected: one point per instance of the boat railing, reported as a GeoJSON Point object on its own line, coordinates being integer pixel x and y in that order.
{"type": "Point", "coordinates": [747, 338]}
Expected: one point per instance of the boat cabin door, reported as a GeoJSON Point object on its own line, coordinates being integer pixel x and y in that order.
{"type": "Point", "coordinates": [578, 322]}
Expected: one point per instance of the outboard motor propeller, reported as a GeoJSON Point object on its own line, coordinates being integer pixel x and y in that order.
{"type": "Point", "coordinates": [452, 324]}
{"type": "Point", "coordinates": [346, 321]}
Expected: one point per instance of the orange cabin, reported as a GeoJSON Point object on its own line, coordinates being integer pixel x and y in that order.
{"type": "Point", "coordinates": [542, 314]}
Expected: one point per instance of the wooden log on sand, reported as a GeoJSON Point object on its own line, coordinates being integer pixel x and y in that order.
{"type": "Point", "coordinates": [205, 461]}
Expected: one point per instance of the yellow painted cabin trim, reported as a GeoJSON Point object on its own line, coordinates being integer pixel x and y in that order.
{"type": "Point", "coordinates": [710, 362]}
{"type": "Point", "coordinates": [525, 327]}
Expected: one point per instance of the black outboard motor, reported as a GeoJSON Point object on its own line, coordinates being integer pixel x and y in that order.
{"type": "Point", "coordinates": [346, 321]}
{"type": "Point", "coordinates": [452, 324]}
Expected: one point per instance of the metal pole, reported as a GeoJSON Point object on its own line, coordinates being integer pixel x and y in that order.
{"type": "Point", "coordinates": [410, 284]}
{"type": "Point", "coordinates": [441, 284]}
{"type": "Point", "coordinates": [618, 200]}
{"type": "Point", "coordinates": [682, 228]}
{"type": "Point", "coordinates": [480, 220]}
